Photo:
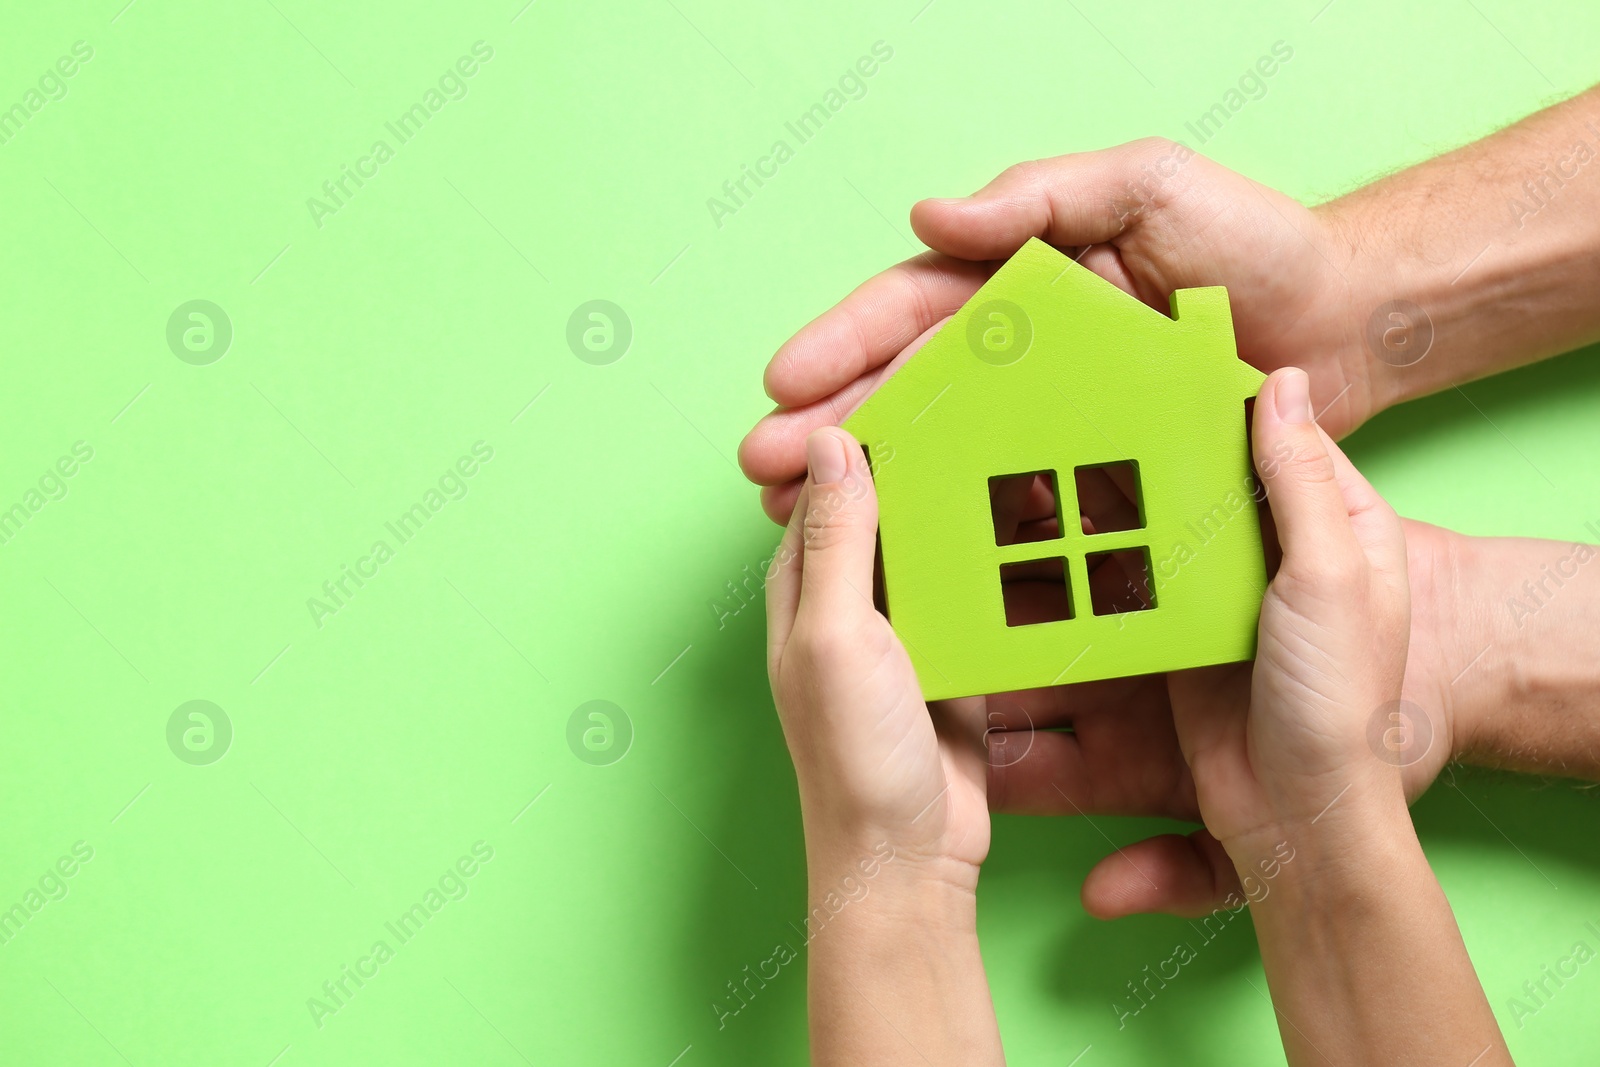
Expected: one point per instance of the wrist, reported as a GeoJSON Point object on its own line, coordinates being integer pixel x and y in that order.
{"type": "Point", "coordinates": [1356, 247]}
{"type": "Point", "coordinates": [879, 862]}
{"type": "Point", "coordinates": [893, 954]}
{"type": "Point", "coordinates": [1526, 695]}
{"type": "Point", "coordinates": [1336, 338]}
{"type": "Point", "coordinates": [1364, 824]}
{"type": "Point", "coordinates": [942, 840]}
{"type": "Point", "coordinates": [1489, 256]}
{"type": "Point", "coordinates": [1378, 271]}
{"type": "Point", "coordinates": [1452, 671]}
{"type": "Point", "coordinates": [878, 889]}
{"type": "Point", "coordinates": [1325, 906]}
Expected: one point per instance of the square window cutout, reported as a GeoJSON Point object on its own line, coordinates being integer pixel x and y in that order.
{"type": "Point", "coordinates": [1110, 496]}
{"type": "Point", "coordinates": [1025, 507]}
{"type": "Point", "coordinates": [1035, 591]}
{"type": "Point", "coordinates": [1120, 581]}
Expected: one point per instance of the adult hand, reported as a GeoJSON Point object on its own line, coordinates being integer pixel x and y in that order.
{"type": "Point", "coordinates": [1150, 216]}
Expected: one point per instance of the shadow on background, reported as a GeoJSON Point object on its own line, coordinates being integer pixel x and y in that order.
{"type": "Point", "coordinates": [744, 779]}
{"type": "Point", "coordinates": [1542, 819]}
{"type": "Point", "coordinates": [1516, 396]}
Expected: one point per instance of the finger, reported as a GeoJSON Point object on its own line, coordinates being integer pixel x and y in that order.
{"type": "Point", "coordinates": [1107, 501]}
{"type": "Point", "coordinates": [1297, 471]}
{"type": "Point", "coordinates": [839, 528]}
{"type": "Point", "coordinates": [1024, 509]}
{"type": "Point", "coordinates": [959, 723]}
{"type": "Point", "coordinates": [870, 326]}
{"type": "Point", "coordinates": [1008, 503]}
{"type": "Point", "coordinates": [1119, 583]}
{"type": "Point", "coordinates": [1047, 772]}
{"type": "Point", "coordinates": [1060, 705]}
{"type": "Point", "coordinates": [783, 585]}
{"type": "Point", "coordinates": [1186, 876]}
{"type": "Point", "coordinates": [774, 451]}
{"type": "Point", "coordinates": [1036, 514]}
{"type": "Point", "coordinates": [1106, 260]}
{"type": "Point", "coordinates": [778, 500]}
{"type": "Point", "coordinates": [1086, 198]}
{"type": "Point", "coordinates": [1032, 590]}
{"type": "Point", "coordinates": [1121, 758]}
{"type": "Point", "coordinates": [1376, 526]}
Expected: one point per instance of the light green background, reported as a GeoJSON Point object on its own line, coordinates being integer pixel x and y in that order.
{"type": "Point", "coordinates": [369, 754]}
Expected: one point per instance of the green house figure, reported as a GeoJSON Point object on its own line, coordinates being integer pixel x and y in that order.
{"type": "Point", "coordinates": [1054, 376]}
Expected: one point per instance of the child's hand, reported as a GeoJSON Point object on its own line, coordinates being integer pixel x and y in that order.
{"type": "Point", "coordinates": [1278, 747]}
{"type": "Point", "coordinates": [874, 764]}
{"type": "Point", "coordinates": [892, 793]}
{"type": "Point", "coordinates": [1350, 919]}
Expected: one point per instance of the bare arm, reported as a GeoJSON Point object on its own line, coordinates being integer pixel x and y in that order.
{"type": "Point", "coordinates": [1522, 620]}
{"type": "Point", "coordinates": [1361, 950]}
{"type": "Point", "coordinates": [1362, 953]}
{"type": "Point", "coordinates": [892, 795]}
{"type": "Point", "coordinates": [1498, 243]}
{"type": "Point", "coordinates": [895, 977]}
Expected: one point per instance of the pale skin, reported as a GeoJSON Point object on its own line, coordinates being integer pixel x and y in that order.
{"type": "Point", "coordinates": [1283, 775]}
{"type": "Point", "coordinates": [1506, 271]}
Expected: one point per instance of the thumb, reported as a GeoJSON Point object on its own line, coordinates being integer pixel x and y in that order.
{"type": "Point", "coordinates": [1301, 482]}
{"type": "Point", "coordinates": [1081, 199]}
{"type": "Point", "coordinates": [840, 527]}
{"type": "Point", "coordinates": [1190, 876]}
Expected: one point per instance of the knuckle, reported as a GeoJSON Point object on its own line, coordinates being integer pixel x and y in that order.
{"type": "Point", "coordinates": [838, 512]}
{"type": "Point", "coordinates": [813, 644]}
{"type": "Point", "coordinates": [1156, 169]}
{"type": "Point", "coordinates": [1347, 576]}
{"type": "Point", "coordinates": [823, 538]}
{"type": "Point", "coordinates": [821, 645]}
{"type": "Point", "coordinates": [1339, 578]}
{"type": "Point", "coordinates": [1300, 464]}
{"type": "Point", "coordinates": [1028, 174]}
{"type": "Point", "coordinates": [1150, 148]}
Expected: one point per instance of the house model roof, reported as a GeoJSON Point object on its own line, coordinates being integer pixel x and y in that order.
{"type": "Point", "coordinates": [1052, 373]}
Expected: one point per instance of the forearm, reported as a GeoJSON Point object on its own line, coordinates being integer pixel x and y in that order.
{"type": "Point", "coordinates": [1521, 686]}
{"type": "Point", "coordinates": [895, 976]}
{"type": "Point", "coordinates": [1498, 243]}
{"type": "Point", "coordinates": [1362, 953]}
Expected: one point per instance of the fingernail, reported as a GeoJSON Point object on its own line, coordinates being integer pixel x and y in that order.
{"type": "Point", "coordinates": [1294, 397]}
{"type": "Point", "coordinates": [825, 456]}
